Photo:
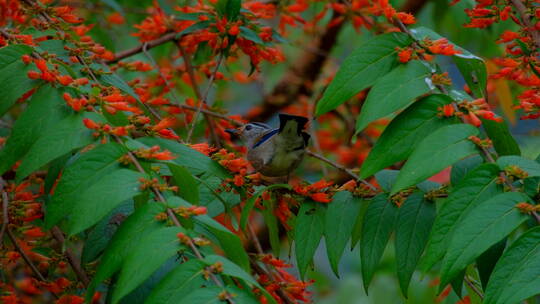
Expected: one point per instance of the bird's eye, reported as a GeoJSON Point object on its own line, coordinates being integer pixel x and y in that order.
{"type": "Point", "coordinates": [249, 127]}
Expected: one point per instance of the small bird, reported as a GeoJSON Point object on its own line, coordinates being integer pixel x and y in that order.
{"type": "Point", "coordinates": [275, 152]}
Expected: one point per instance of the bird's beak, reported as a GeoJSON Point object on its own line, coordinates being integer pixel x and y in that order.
{"type": "Point", "coordinates": [233, 132]}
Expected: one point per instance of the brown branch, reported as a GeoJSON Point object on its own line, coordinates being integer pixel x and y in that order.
{"type": "Point", "coordinates": [342, 168]}
{"type": "Point", "coordinates": [138, 49]}
{"type": "Point", "coordinates": [413, 6]}
{"type": "Point", "coordinates": [5, 216]}
{"type": "Point", "coordinates": [473, 287]}
{"type": "Point", "coordinates": [526, 18]}
{"type": "Point", "coordinates": [72, 258]}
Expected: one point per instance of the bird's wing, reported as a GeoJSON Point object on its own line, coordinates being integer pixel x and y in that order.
{"type": "Point", "coordinates": [291, 124]}
{"type": "Point", "coordinates": [265, 137]}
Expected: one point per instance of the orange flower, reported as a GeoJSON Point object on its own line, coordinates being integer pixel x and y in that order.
{"type": "Point", "coordinates": [34, 233]}
{"type": "Point", "coordinates": [165, 123]}
{"type": "Point", "coordinates": [405, 55]}
{"type": "Point", "coordinates": [116, 18]}
{"type": "Point", "coordinates": [321, 197]}
{"type": "Point", "coordinates": [406, 18]}
{"type": "Point", "coordinates": [164, 155]}
{"type": "Point", "coordinates": [90, 124]}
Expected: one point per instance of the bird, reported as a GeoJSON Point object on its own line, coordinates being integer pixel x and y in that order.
{"type": "Point", "coordinates": [275, 152]}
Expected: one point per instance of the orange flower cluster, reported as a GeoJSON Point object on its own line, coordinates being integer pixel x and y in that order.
{"type": "Point", "coordinates": [281, 279]}
{"type": "Point", "coordinates": [154, 153]}
{"type": "Point", "coordinates": [103, 128]}
{"type": "Point", "coordinates": [475, 108]}
{"type": "Point", "coordinates": [317, 191]}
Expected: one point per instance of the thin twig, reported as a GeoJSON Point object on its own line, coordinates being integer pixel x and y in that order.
{"type": "Point", "coordinates": [261, 271]}
{"type": "Point", "coordinates": [204, 97]}
{"type": "Point", "coordinates": [473, 287]}
{"type": "Point", "coordinates": [72, 258]}
{"type": "Point", "coordinates": [342, 168]}
{"type": "Point", "coordinates": [138, 49]}
{"type": "Point", "coordinates": [214, 114]}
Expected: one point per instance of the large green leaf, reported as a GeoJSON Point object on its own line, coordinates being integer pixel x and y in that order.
{"type": "Point", "coordinates": [208, 295]}
{"type": "Point", "coordinates": [229, 8]}
{"type": "Point", "coordinates": [530, 166]}
{"type": "Point", "coordinates": [515, 278]}
{"type": "Point", "coordinates": [45, 109]}
{"type": "Point", "coordinates": [13, 79]}
{"type": "Point", "coordinates": [149, 254]}
{"type": "Point", "coordinates": [229, 242]}
{"type": "Point", "coordinates": [127, 237]}
{"type": "Point", "coordinates": [97, 239]}
{"type": "Point", "coordinates": [477, 186]}
{"type": "Point", "coordinates": [395, 91]}
{"type": "Point", "coordinates": [437, 151]}
{"type": "Point", "coordinates": [486, 224]}
{"type": "Point", "coordinates": [68, 134]}
{"type": "Point", "coordinates": [81, 174]}
{"type": "Point", "coordinates": [339, 222]}
{"type": "Point", "coordinates": [180, 281]}
{"type": "Point", "coordinates": [308, 231]}
{"type": "Point", "coordinates": [486, 262]}
{"type": "Point", "coordinates": [404, 133]}
{"type": "Point", "coordinates": [358, 223]}
{"type": "Point", "coordinates": [464, 166]}
{"type": "Point", "coordinates": [379, 223]}
{"type": "Point", "coordinates": [188, 188]}
{"type": "Point", "coordinates": [362, 68]}
{"type": "Point", "coordinates": [414, 223]}
{"type": "Point", "coordinates": [503, 141]}
{"type": "Point", "coordinates": [471, 67]}
{"type": "Point", "coordinates": [188, 157]}
{"type": "Point", "coordinates": [96, 201]}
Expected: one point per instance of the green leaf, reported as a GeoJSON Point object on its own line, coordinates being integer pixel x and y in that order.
{"type": "Point", "coordinates": [13, 79]}
{"type": "Point", "coordinates": [188, 157]}
{"type": "Point", "coordinates": [43, 112]}
{"type": "Point", "coordinates": [151, 252]}
{"type": "Point", "coordinates": [362, 68]}
{"type": "Point", "coordinates": [503, 141]}
{"type": "Point", "coordinates": [188, 188]}
{"type": "Point", "coordinates": [405, 132]}
{"type": "Point", "coordinates": [308, 231]}
{"type": "Point", "coordinates": [250, 34]}
{"type": "Point", "coordinates": [208, 295]}
{"type": "Point", "coordinates": [415, 219]}
{"type": "Point", "coordinates": [515, 278]}
{"type": "Point", "coordinates": [463, 167]}
{"type": "Point", "coordinates": [99, 237]}
{"type": "Point", "coordinates": [339, 222]}
{"type": "Point", "coordinates": [379, 223]}
{"type": "Point", "coordinates": [67, 135]}
{"type": "Point", "coordinates": [251, 202]}
{"type": "Point", "coordinates": [183, 279]}
{"type": "Point", "coordinates": [117, 82]}
{"type": "Point", "coordinates": [271, 222]}
{"type": "Point", "coordinates": [395, 91]}
{"type": "Point", "coordinates": [386, 178]}
{"type": "Point", "coordinates": [357, 228]}
{"type": "Point", "coordinates": [471, 67]}
{"type": "Point", "coordinates": [229, 242]}
{"type": "Point", "coordinates": [96, 201]}
{"type": "Point", "coordinates": [91, 167]}
{"type": "Point", "coordinates": [487, 261]}
{"type": "Point", "coordinates": [530, 166]}
{"type": "Point", "coordinates": [127, 237]}
{"type": "Point", "coordinates": [229, 8]}
{"type": "Point", "coordinates": [231, 269]}
{"type": "Point", "coordinates": [477, 186]}
{"type": "Point", "coordinates": [437, 151]}
{"type": "Point", "coordinates": [486, 224]}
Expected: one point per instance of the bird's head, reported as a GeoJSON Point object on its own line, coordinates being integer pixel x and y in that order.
{"type": "Point", "coordinates": [250, 132]}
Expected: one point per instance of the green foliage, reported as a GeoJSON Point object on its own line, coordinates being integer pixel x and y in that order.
{"type": "Point", "coordinates": [361, 69]}
{"type": "Point", "coordinates": [437, 151]}
{"type": "Point", "coordinates": [395, 91]}
{"type": "Point", "coordinates": [405, 132]}
{"type": "Point", "coordinates": [13, 80]}
{"type": "Point", "coordinates": [379, 223]}
{"type": "Point", "coordinates": [414, 223]}
{"type": "Point", "coordinates": [308, 231]}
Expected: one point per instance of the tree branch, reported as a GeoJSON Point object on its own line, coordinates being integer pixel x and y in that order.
{"type": "Point", "coordinates": [138, 49]}
{"type": "Point", "coordinates": [526, 18]}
